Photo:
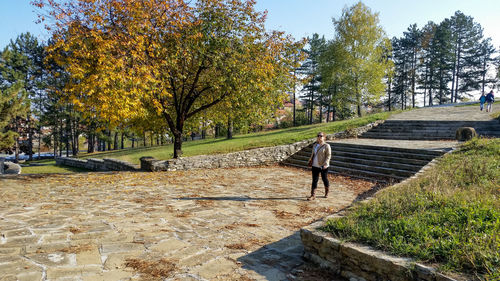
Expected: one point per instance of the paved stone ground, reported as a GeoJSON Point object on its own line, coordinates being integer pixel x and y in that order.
{"type": "Point", "coordinates": [225, 224]}
{"type": "Point", "coordinates": [442, 145]}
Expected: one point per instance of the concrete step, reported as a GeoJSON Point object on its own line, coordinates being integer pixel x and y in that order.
{"type": "Point", "coordinates": [361, 174]}
{"type": "Point", "coordinates": [386, 149]}
{"type": "Point", "coordinates": [407, 137]}
{"type": "Point", "coordinates": [365, 174]}
{"type": "Point", "coordinates": [380, 170]}
{"type": "Point", "coordinates": [386, 156]}
{"type": "Point", "coordinates": [370, 162]}
{"type": "Point", "coordinates": [415, 160]}
{"type": "Point", "coordinates": [377, 163]}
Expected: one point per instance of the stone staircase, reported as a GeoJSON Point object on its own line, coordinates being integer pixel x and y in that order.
{"type": "Point", "coordinates": [399, 147]}
{"type": "Point", "coordinates": [429, 130]}
{"type": "Point", "coordinates": [381, 163]}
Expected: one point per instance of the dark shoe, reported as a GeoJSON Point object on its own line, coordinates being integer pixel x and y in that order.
{"type": "Point", "coordinates": [327, 188]}
{"type": "Point", "coordinates": [311, 198]}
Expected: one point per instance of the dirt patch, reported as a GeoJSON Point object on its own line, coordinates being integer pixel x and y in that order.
{"type": "Point", "coordinates": [152, 270]}
{"type": "Point", "coordinates": [250, 244]}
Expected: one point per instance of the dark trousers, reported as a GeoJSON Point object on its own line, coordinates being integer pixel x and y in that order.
{"type": "Point", "coordinates": [315, 173]}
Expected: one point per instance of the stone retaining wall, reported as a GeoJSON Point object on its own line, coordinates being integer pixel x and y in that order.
{"type": "Point", "coordinates": [106, 164]}
{"type": "Point", "coordinates": [361, 263]}
{"type": "Point", "coordinates": [247, 158]}
{"type": "Point", "coordinates": [252, 157]}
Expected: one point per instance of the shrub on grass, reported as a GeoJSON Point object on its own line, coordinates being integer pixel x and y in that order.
{"type": "Point", "coordinates": [450, 215]}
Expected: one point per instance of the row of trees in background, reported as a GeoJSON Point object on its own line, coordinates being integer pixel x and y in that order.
{"type": "Point", "coordinates": [442, 63]}
{"type": "Point", "coordinates": [360, 67]}
{"type": "Point", "coordinates": [115, 71]}
{"type": "Point", "coordinates": [157, 66]}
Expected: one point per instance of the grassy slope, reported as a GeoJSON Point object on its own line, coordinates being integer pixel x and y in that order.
{"type": "Point", "coordinates": [241, 142]}
{"type": "Point", "coordinates": [450, 215]}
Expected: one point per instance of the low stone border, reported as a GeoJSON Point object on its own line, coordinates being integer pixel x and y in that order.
{"type": "Point", "coordinates": [106, 164]}
{"type": "Point", "coordinates": [246, 158]}
{"type": "Point", "coordinates": [361, 263]}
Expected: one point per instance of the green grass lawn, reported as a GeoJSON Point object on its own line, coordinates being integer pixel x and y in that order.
{"type": "Point", "coordinates": [240, 142]}
{"type": "Point", "coordinates": [450, 215]}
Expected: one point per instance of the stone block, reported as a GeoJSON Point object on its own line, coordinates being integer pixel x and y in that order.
{"type": "Point", "coordinates": [89, 257]}
{"type": "Point", "coordinates": [29, 276]}
{"type": "Point", "coordinates": [121, 247]}
{"type": "Point", "coordinates": [112, 275]}
{"type": "Point", "coordinates": [11, 168]}
{"type": "Point", "coordinates": [169, 245]}
{"type": "Point", "coordinates": [50, 259]}
{"type": "Point", "coordinates": [72, 273]}
{"type": "Point", "coordinates": [465, 133]}
{"type": "Point", "coordinates": [424, 272]}
{"type": "Point", "coordinates": [442, 277]}
{"type": "Point", "coordinates": [214, 268]}
{"type": "Point", "coordinates": [117, 260]}
{"type": "Point", "coordinates": [46, 248]}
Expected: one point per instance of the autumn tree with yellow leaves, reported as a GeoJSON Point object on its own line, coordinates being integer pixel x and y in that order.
{"type": "Point", "coordinates": [172, 57]}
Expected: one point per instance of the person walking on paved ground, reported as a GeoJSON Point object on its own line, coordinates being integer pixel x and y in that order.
{"type": "Point", "coordinates": [482, 100]}
{"type": "Point", "coordinates": [319, 161]}
{"type": "Point", "coordinates": [490, 98]}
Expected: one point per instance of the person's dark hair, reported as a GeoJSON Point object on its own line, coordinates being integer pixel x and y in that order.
{"type": "Point", "coordinates": [322, 134]}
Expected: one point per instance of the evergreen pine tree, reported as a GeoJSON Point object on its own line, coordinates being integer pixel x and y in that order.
{"type": "Point", "coordinates": [310, 68]}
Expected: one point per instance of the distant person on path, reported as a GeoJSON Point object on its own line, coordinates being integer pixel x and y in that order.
{"type": "Point", "coordinates": [319, 161]}
{"type": "Point", "coordinates": [482, 100]}
{"type": "Point", "coordinates": [490, 98]}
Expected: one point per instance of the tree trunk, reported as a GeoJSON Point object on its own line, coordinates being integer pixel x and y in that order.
{"type": "Point", "coordinates": [122, 141]}
{"type": "Point", "coordinates": [90, 144]}
{"type": "Point", "coordinates": [217, 130]}
{"type": "Point", "coordinates": [16, 149]}
{"type": "Point", "coordinates": [30, 137]}
{"type": "Point", "coordinates": [177, 144]}
{"type": "Point", "coordinates": [320, 112]}
{"type": "Point", "coordinates": [389, 82]}
{"type": "Point", "coordinates": [311, 111]}
{"type": "Point", "coordinates": [55, 145]}
{"type": "Point", "coordinates": [109, 139]}
{"type": "Point", "coordinates": [39, 140]}
{"type": "Point", "coordinates": [229, 128]}
{"type": "Point", "coordinates": [144, 138]}
{"type": "Point", "coordinates": [115, 146]}
{"type": "Point", "coordinates": [133, 140]}
{"type": "Point", "coordinates": [458, 71]}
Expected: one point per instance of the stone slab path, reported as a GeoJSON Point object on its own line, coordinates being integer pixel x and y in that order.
{"type": "Point", "coordinates": [447, 113]}
{"type": "Point", "coordinates": [222, 224]}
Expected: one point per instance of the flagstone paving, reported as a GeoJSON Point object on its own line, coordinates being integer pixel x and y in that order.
{"type": "Point", "coordinates": [221, 224]}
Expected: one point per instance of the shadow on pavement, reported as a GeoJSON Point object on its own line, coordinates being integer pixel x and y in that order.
{"type": "Point", "coordinates": [276, 261]}
{"type": "Point", "coordinates": [242, 198]}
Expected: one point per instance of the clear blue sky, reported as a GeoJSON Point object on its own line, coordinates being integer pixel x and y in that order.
{"type": "Point", "coordinates": [302, 18]}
